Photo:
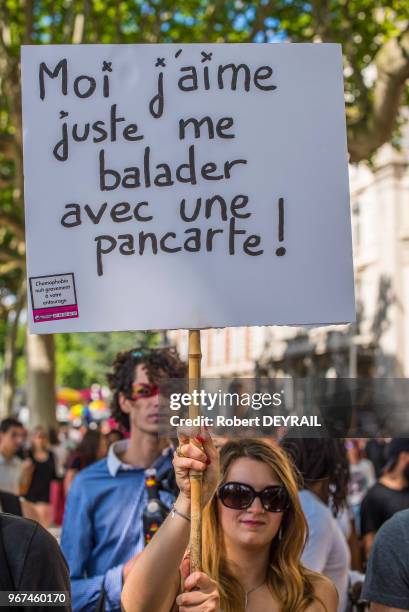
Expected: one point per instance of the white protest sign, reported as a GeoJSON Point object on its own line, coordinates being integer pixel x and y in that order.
{"type": "Point", "coordinates": [185, 186]}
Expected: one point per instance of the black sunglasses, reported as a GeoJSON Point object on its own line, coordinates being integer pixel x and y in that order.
{"type": "Point", "coordinates": [239, 496]}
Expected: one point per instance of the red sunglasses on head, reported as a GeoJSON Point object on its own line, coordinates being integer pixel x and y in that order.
{"type": "Point", "coordinates": [144, 390]}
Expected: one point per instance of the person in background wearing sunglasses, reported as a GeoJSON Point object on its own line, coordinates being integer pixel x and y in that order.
{"type": "Point", "coordinates": [253, 535]}
{"type": "Point", "coordinates": [103, 527]}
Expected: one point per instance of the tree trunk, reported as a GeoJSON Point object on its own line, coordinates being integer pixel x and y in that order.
{"type": "Point", "coordinates": [41, 380]}
{"type": "Point", "coordinates": [10, 358]}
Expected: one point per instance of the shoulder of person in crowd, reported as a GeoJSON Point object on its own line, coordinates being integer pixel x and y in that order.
{"type": "Point", "coordinates": [23, 560]}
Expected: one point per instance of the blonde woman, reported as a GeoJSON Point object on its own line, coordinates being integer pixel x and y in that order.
{"type": "Point", "coordinates": [254, 534]}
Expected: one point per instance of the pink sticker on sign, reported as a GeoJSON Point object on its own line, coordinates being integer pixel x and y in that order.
{"type": "Point", "coordinates": [53, 297]}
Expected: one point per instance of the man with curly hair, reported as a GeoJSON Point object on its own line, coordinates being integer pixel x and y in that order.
{"type": "Point", "coordinates": [103, 527]}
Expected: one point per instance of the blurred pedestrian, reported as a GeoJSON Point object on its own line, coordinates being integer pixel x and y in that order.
{"type": "Point", "coordinates": [22, 452]}
{"type": "Point", "coordinates": [92, 448]}
{"type": "Point", "coordinates": [43, 473]}
{"type": "Point", "coordinates": [389, 495]}
{"type": "Point", "coordinates": [14, 472]}
{"type": "Point", "coordinates": [361, 479]}
{"type": "Point", "coordinates": [58, 450]}
{"type": "Point", "coordinates": [103, 521]}
{"type": "Point", "coordinates": [114, 436]}
{"type": "Point", "coordinates": [323, 467]}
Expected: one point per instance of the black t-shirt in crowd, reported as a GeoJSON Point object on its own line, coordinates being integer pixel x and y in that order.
{"type": "Point", "coordinates": [44, 472]}
{"type": "Point", "coordinates": [380, 504]}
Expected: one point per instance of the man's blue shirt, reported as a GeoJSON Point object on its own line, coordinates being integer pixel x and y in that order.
{"type": "Point", "coordinates": [103, 526]}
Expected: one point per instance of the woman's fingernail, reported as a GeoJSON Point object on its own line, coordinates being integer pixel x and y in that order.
{"type": "Point", "coordinates": [200, 438]}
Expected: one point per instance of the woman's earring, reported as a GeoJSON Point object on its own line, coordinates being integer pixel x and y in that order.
{"type": "Point", "coordinates": [280, 534]}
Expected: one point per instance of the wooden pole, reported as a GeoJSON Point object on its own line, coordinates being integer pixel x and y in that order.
{"type": "Point", "coordinates": [195, 356]}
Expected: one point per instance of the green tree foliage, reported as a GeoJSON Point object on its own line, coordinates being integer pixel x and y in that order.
{"type": "Point", "coordinates": [84, 359]}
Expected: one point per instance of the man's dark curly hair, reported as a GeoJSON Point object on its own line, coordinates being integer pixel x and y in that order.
{"type": "Point", "coordinates": [159, 363]}
{"type": "Point", "coordinates": [319, 458]}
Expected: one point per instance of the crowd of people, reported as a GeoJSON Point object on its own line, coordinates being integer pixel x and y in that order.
{"type": "Point", "coordinates": [292, 524]}
{"type": "Point", "coordinates": [38, 466]}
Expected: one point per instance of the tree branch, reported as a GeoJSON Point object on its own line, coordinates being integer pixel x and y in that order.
{"type": "Point", "coordinates": [10, 352]}
{"type": "Point", "coordinates": [5, 182]}
{"type": "Point", "coordinates": [262, 13]}
{"type": "Point", "coordinates": [118, 24]}
{"type": "Point", "coordinates": [29, 21]}
{"type": "Point", "coordinates": [10, 266]}
{"type": "Point", "coordinates": [68, 20]}
{"type": "Point", "coordinates": [78, 31]}
{"type": "Point", "coordinates": [80, 24]}
{"type": "Point", "coordinates": [212, 15]}
{"type": "Point", "coordinates": [322, 16]}
{"type": "Point", "coordinates": [5, 33]}
{"type": "Point", "coordinates": [7, 145]}
{"type": "Point", "coordinates": [4, 312]}
{"type": "Point", "coordinates": [13, 224]}
{"type": "Point", "coordinates": [15, 252]}
{"type": "Point", "coordinates": [376, 128]}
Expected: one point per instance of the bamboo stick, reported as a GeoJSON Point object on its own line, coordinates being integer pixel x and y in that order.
{"type": "Point", "coordinates": [195, 356]}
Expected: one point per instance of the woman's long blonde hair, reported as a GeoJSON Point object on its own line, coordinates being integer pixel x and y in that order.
{"type": "Point", "coordinates": [287, 579]}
